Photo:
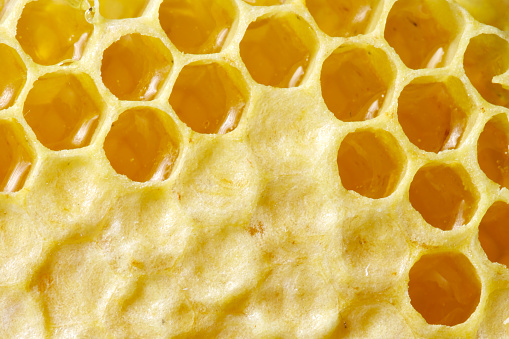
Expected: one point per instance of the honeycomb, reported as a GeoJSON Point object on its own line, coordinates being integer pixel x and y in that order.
{"type": "Point", "coordinates": [254, 169]}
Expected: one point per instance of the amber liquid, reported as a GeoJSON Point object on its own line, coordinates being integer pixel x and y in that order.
{"type": "Point", "coordinates": [142, 146]}
{"type": "Point", "coordinates": [206, 99]}
{"type": "Point", "coordinates": [419, 40]}
{"type": "Point", "coordinates": [368, 165]}
{"type": "Point", "coordinates": [430, 118]}
{"type": "Point", "coordinates": [197, 26]}
{"type": "Point", "coordinates": [439, 194]}
{"type": "Point", "coordinates": [444, 288]}
{"type": "Point", "coordinates": [273, 54]}
{"type": "Point", "coordinates": [351, 87]}
{"type": "Point", "coordinates": [342, 18]}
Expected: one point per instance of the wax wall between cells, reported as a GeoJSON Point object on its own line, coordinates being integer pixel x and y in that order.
{"type": "Point", "coordinates": [172, 117]}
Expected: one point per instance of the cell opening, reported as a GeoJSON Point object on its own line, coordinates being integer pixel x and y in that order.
{"type": "Point", "coordinates": [135, 67]}
{"type": "Point", "coordinates": [16, 158]}
{"type": "Point", "coordinates": [486, 57]}
{"type": "Point", "coordinates": [121, 9]}
{"type": "Point", "coordinates": [353, 88]}
{"type": "Point", "coordinates": [431, 117]}
{"type": "Point", "coordinates": [209, 98]}
{"type": "Point", "coordinates": [143, 144]}
{"type": "Point", "coordinates": [489, 12]}
{"type": "Point", "coordinates": [494, 233]}
{"type": "Point", "coordinates": [277, 50]}
{"type": "Point", "coordinates": [197, 26]}
{"type": "Point", "coordinates": [63, 110]}
{"type": "Point", "coordinates": [370, 163]}
{"type": "Point", "coordinates": [443, 195]}
{"type": "Point", "coordinates": [444, 288]}
{"type": "Point", "coordinates": [492, 150]}
{"type": "Point", "coordinates": [421, 32]}
{"type": "Point", "coordinates": [265, 2]}
{"type": "Point", "coordinates": [51, 31]}
{"type": "Point", "coordinates": [14, 76]}
{"type": "Point", "coordinates": [343, 18]}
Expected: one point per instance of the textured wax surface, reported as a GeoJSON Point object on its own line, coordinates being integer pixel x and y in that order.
{"type": "Point", "coordinates": [291, 184]}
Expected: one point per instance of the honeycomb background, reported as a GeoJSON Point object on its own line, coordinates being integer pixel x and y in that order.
{"type": "Point", "coordinates": [159, 180]}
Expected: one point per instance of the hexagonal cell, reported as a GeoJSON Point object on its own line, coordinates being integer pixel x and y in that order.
{"type": "Point", "coordinates": [197, 26]}
{"type": "Point", "coordinates": [487, 56]}
{"type": "Point", "coordinates": [431, 117]}
{"type": "Point", "coordinates": [143, 144]}
{"type": "Point", "coordinates": [51, 31]}
{"type": "Point", "coordinates": [421, 31]}
{"type": "Point", "coordinates": [265, 2]}
{"type": "Point", "coordinates": [370, 163]}
{"type": "Point", "coordinates": [207, 99]}
{"type": "Point", "coordinates": [494, 233]}
{"type": "Point", "coordinates": [277, 50]}
{"type": "Point", "coordinates": [16, 158]}
{"type": "Point", "coordinates": [63, 110]}
{"type": "Point", "coordinates": [14, 76]}
{"type": "Point", "coordinates": [353, 88]}
{"type": "Point", "coordinates": [489, 12]}
{"type": "Point", "coordinates": [444, 288]}
{"type": "Point", "coordinates": [443, 195]}
{"type": "Point", "coordinates": [135, 66]}
{"type": "Point", "coordinates": [342, 18]}
{"type": "Point", "coordinates": [492, 150]}
{"type": "Point", "coordinates": [121, 9]}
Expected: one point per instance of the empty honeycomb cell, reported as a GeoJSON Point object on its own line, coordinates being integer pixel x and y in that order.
{"type": "Point", "coordinates": [494, 233]}
{"type": "Point", "coordinates": [207, 99]}
{"type": "Point", "coordinates": [487, 56]}
{"type": "Point", "coordinates": [265, 2]}
{"type": "Point", "coordinates": [63, 110]}
{"type": "Point", "coordinates": [197, 26]}
{"type": "Point", "coordinates": [120, 9]}
{"type": "Point", "coordinates": [444, 288]}
{"type": "Point", "coordinates": [277, 50]}
{"type": "Point", "coordinates": [143, 144]}
{"type": "Point", "coordinates": [135, 66]}
{"type": "Point", "coordinates": [14, 76]}
{"type": "Point", "coordinates": [370, 163]}
{"type": "Point", "coordinates": [415, 32]}
{"type": "Point", "coordinates": [490, 12]}
{"type": "Point", "coordinates": [51, 31]}
{"type": "Point", "coordinates": [342, 18]}
{"type": "Point", "coordinates": [443, 195]}
{"type": "Point", "coordinates": [16, 158]}
{"type": "Point", "coordinates": [430, 116]}
{"type": "Point", "coordinates": [354, 82]}
{"type": "Point", "coordinates": [492, 150]}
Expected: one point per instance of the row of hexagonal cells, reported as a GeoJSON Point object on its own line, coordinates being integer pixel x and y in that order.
{"type": "Point", "coordinates": [444, 287]}
{"type": "Point", "coordinates": [277, 48]}
{"type": "Point", "coordinates": [134, 67]}
{"type": "Point", "coordinates": [420, 33]}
